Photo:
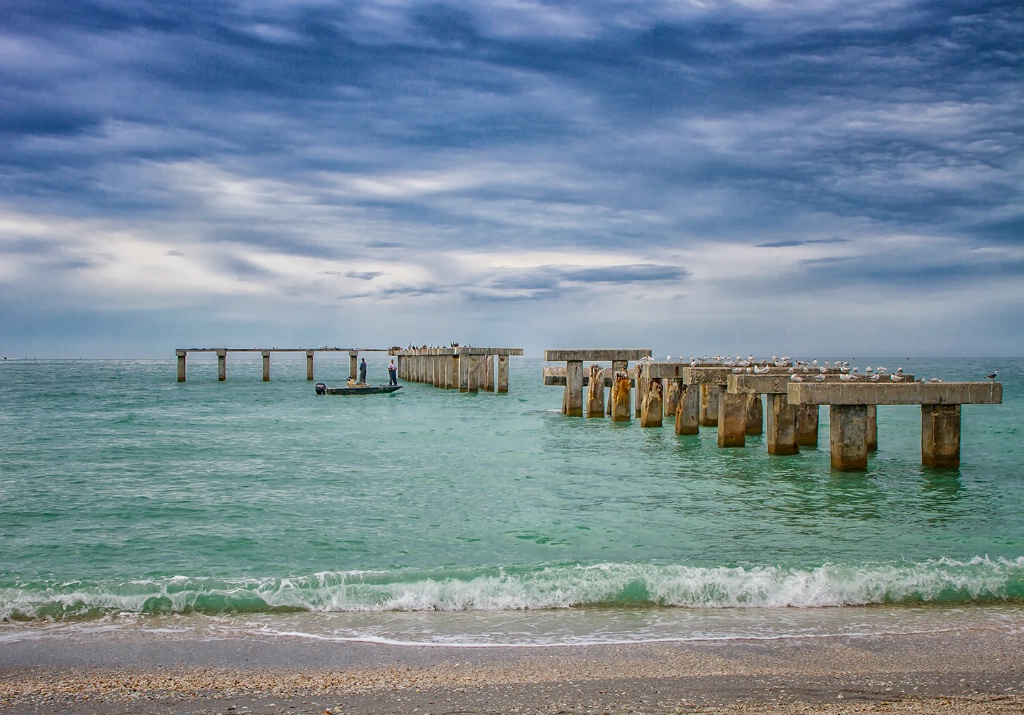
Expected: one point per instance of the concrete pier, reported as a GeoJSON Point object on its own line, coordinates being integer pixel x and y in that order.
{"type": "Point", "coordinates": [940, 415]}
{"type": "Point", "coordinates": [709, 399]}
{"type": "Point", "coordinates": [222, 354]}
{"type": "Point", "coordinates": [807, 419]}
{"type": "Point", "coordinates": [466, 369]}
{"type": "Point", "coordinates": [755, 414]}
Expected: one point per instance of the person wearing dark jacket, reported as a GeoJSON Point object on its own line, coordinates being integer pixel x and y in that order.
{"type": "Point", "coordinates": [362, 371]}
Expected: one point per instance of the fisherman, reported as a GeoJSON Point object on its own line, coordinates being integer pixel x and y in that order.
{"type": "Point", "coordinates": [392, 373]}
{"type": "Point", "coordinates": [362, 371]}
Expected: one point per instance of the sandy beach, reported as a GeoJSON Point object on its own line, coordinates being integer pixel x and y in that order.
{"type": "Point", "coordinates": [956, 672]}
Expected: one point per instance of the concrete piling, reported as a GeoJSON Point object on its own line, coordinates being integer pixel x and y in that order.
{"type": "Point", "coordinates": [755, 414]}
{"type": "Point", "coordinates": [595, 391]}
{"type": "Point", "coordinates": [309, 364]}
{"type": "Point", "coordinates": [620, 401]}
{"type": "Point", "coordinates": [672, 394]}
{"type": "Point", "coordinates": [688, 410]}
{"type": "Point", "coordinates": [940, 435]}
{"type": "Point", "coordinates": [181, 364]}
{"type": "Point", "coordinates": [651, 413]}
{"type": "Point", "coordinates": [222, 365]}
{"type": "Point", "coordinates": [502, 386]}
{"type": "Point", "coordinates": [782, 430]}
{"type": "Point", "coordinates": [266, 366]}
{"type": "Point", "coordinates": [574, 388]}
{"type": "Point", "coordinates": [807, 425]}
{"type": "Point", "coordinates": [732, 418]}
{"type": "Point", "coordinates": [709, 398]}
{"type": "Point", "coordinates": [848, 436]}
{"type": "Point", "coordinates": [871, 431]}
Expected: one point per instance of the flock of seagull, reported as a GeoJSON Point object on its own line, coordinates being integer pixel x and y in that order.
{"type": "Point", "coordinates": [800, 370]}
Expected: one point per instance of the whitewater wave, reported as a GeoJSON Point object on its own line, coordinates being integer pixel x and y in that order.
{"type": "Point", "coordinates": [939, 581]}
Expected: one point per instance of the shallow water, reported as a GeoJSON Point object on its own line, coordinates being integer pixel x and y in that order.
{"type": "Point", "coordinates": [129, 500]}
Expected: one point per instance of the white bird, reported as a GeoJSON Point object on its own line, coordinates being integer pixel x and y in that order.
{"type": "Point", "coordinates": [935, 379]}
{"type": "Point", "coordinates": [869, 369]}
{"type": "Point", "coordinates": [875, 378]}
{"type": "Point", "coordinates": [819, 378]}
{"type": "Point", "coordinates": [896, 378]}
{"type": "Point", "coordinates": [796, 378]}
{"type": "Point", "coordinates": [737, 370]}
{"type": "Point", "coordinates": [880, 369]}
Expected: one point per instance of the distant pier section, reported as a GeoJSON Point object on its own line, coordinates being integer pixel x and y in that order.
{"type": "Point", "coordinates": [222, 358]}
{"type": "Point", "coordinates": [466, 369]}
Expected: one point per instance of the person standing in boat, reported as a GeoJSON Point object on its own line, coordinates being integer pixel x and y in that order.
{"type": "Point", "coordinates": [362, 371]}
{"type": "Point", "coordinates": [392, 373]}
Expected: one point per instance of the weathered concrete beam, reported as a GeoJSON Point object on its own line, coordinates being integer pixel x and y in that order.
{"type": "Point", "coordinates": [778, 384]}
{"type": "Point", "coordinates": [896, 393]}
{"type": "Point", "coordinates": [555, 376]}
{"type": "Point", "coordinates": [596, 355]}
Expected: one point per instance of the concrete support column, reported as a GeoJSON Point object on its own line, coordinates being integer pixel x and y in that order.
{"type": "Point", "coordinates": [651, 413]}
{"type": "Point", "coordinates": [222, 365]}
{"type": "Point", "coordinates": [595, 391]}
{"type": "Point", "coordinates": [452, 373]}
{"type": "Point", "coordinates": [573, 403]}
{"type": "Point", "coordinates": [782, 422]}
{"type": "Point", "coordinates": [672, 394]}
{"type": "Point", "coordinates": [473, 374]}
{"type": "Point", "coordinates": [807, 425]}
{"type": "Point", "coordinates": [848, 436]}
{"type": "Point", "coordinates": [353, 364]}
{"type": "Point", "coordinates": [688, 410]}
{"type": "Point", "coordinates": [436, 376]}
{"type": "Point", "coordinates": [732, 419]}
{"type": "Point", "coordinates": [617, 367]}
{"type": "Point", "coordinates": [266, 366]}
{"type": "Point", "coordinates": [709, 405]}
{"type": "Point", "coordinates": [872, 429]}
{"type": "Point", "coordinates": [181, 364]}
{"type": "Point", "coordinates": [502, 387]}
{"type": "Point", "coordinates": [755, 414]}
{"type": "Point", "coordinates": [940, 435]}
{"type": "Point", "coordinates": [642, 382]}
{"type": "Point", "coordinates": [463, 373]}
{"type": "Point", "coordinates": [488, 373]}
{"type": "Point", "coordinates": [620, 405]}
{"type": "Point", "coordinates": [309, 364]}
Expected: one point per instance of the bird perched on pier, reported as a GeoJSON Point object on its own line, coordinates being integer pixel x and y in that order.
{"type": "Point", "coordinates": [796, 378]}
{"type": "Point", "coordinates": [992, 376]}
{"type": "Point", "coordinates": [820, 378]}
{"type": "Point", "coordinates": [935, 379]}
{"type": "Point", "coordinates": [896, 377]}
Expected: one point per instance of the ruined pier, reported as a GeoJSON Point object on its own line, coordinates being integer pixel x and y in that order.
{"type": "Point", "coordinates": [222, 356]}
{"type": "Point", "coordinates": [466, 369]}
{"type": "Point", "coordinates": [729, 398]}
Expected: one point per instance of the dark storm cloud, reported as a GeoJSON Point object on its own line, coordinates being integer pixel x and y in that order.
{"type": "Point", "coordinates": [304, 128]}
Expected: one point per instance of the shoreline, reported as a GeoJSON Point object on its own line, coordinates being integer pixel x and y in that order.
{"type": "Point", "coordinates": [961, 671]}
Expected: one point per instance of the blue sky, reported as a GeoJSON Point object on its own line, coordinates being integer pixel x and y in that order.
{"type": "Point", "coordinates": [799, 177]}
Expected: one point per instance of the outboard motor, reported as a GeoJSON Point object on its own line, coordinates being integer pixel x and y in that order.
{"type": "Point", "coordinates": [321, 388]}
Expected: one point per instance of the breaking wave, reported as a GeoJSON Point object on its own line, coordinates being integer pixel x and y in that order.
{"type": "Point", "coordinates": [940, 581]}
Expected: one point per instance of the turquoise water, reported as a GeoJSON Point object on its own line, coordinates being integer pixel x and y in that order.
{"type": "Point", "coordinates": [130, 500]}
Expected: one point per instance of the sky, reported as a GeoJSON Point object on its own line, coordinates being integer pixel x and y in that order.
{"type": "Point", "coordinates": [797, 177]}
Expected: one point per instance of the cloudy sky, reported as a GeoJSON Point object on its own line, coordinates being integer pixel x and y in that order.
{"type": "Point", "coordinates": [801, 176]}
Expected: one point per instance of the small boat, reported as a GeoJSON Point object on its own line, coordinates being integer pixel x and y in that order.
{"type": "Point", "coordinates": [322, 389]}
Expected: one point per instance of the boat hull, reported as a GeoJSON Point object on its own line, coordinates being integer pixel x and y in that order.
{"type": "Point", "coordinates": [362, 390]}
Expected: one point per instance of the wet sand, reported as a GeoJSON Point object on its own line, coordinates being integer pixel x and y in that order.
{"type": "Point", "coordinates": [974, 671]}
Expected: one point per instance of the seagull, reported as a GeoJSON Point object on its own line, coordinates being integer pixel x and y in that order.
{"type": "Point", "coordinates": [992, 376]}
{"type": "Point", "coordinates": [896, 378]}
{"type": "Point", "coordinates": [875, 378]}
{"type": "Point", "coordinates": [819, 378]}
{"type": "Point", "coordinates": [935, 379]}
{"type": "Point", "coordinates": [796, 378]}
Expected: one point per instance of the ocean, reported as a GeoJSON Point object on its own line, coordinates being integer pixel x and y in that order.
{"type": "Point", "coordinates": [131, 503]}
